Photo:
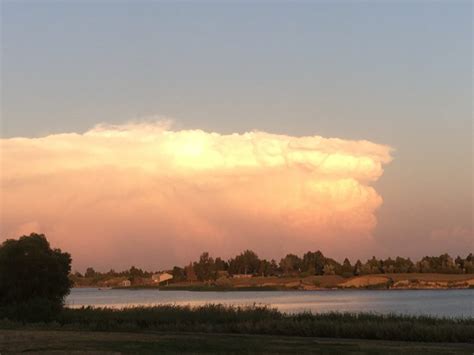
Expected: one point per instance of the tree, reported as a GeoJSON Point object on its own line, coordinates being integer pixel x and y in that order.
{"type": "Point", "coordinates": [245, 263]}
{"type": "Point", "coordinates": [459, 263]}
{"type": "Point", "coordinates": [403, 265]}
{"type": "Point", "coordinates": [441, 264]}
{"type": "Point", "coordinates": [469, 264]}
{"type": "Point", "coordinates": [347, 269]}
{"type": "Point", "coordinates": [328, 269]}
{"type": "Point", "coordinates": [271, 268]}
{"type": "Point", "coordinates": [221, 265]}
{"type": "Point", "coordinates": [291, 264]}
{"type": "Point", "coordinates": [90, 272]}
{"type": "Point", "coordinates": [135, 275]}
{"type": "Point", "coordinates": [332, 267]}
{"type": "Point", "coordinates": [388, 265]}
{"type": "Point", "coordinates": [33, 278]}
{"type": "Point", "coordinates": [190, 273]}
{"type": "Point", "coordinates": [447, 264]}
{"type": "Point", "coordinates": [313, 263]}
{"type": "Point", "coordinates": [178, 274]}
{"type": "Point", "coordinates": [357, 268]}
{"type": "Point", "coordinates": [425, 265]}
{"type": "Point", "coordinates": [267, 268]}
{"type": "Point", "coordinates": [112, 273]}
{"type": "Point", "coordinates": [205, 268]}
{"type": "Point", "coordinates": [372, 266]}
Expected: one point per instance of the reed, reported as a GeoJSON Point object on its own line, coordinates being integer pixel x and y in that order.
{"type": "Point", "coordinates": [216, 318]}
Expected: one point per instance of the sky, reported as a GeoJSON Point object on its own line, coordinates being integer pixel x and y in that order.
{"type": "Point", "coordinates": [329, 104]}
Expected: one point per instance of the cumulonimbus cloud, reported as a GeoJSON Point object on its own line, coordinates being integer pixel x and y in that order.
{"type": "Point", "coordinates": [144, 194]}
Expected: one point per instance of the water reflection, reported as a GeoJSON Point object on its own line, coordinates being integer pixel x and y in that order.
{"type": "Point", "coordinates": [450, 303]}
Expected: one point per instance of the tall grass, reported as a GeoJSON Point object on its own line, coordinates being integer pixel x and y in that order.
{"type": "Point", "coordinates": [215, 318]}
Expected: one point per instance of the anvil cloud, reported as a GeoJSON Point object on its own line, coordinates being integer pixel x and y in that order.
{"type": "Point", "coordinates": [144, 194]}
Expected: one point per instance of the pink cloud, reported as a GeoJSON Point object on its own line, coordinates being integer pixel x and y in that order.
{"type": "Point", "coordinates": [147, 195]}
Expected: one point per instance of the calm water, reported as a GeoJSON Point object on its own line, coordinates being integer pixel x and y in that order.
{"type": "Point", "coordinates": [451, 303]}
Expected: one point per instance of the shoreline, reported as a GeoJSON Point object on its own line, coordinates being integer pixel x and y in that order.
{"type": "Point", "coordinates": [263, 289]}
{"type": "Point", "coordinates": [408, 281]}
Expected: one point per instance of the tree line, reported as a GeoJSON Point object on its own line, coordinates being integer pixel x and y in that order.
{"type": "Point", "coordinates": [311, 263]}
{"type": "Point", "coordinates": [35, 278]}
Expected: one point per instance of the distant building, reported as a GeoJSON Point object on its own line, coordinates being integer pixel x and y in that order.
{"type": "Point", "coordinates": [242, 276]}
{"type": "Point", "coordinates": [126, 283]}
{"type": "Point", "coordinates": [161, 277]}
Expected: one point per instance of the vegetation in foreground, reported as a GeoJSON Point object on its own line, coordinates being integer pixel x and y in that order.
{"type": "Point", "coordinates": [16, 341]}
{"type": "Point", "coordinates": [34, 281]}
{"type": "Point", "coordinates": [259, 320]}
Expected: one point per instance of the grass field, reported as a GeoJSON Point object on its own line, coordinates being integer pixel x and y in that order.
{"type": "Point", "coordinates": [227, 330]}
{"type": "Point", "coordinates": [215, 318]}
{"type": "Point", "coordinates": [66, 342]}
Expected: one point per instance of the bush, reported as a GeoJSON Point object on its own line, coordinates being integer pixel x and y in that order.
{"type": "Point", "coordinates": [33, 310]}
{"type": "Point", "coordinates": [33, 279]}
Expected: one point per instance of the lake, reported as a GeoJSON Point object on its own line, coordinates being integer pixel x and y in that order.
{"type": "Point", "coordinates": [449, 303]}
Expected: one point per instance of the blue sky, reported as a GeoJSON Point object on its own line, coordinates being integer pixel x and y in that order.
{"type": "Point", "coordinates": [397, 73]}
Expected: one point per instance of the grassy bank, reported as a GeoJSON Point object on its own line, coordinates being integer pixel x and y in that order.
{"type": "Point", "coordinates": [412, 281]}
{"type": "Point", "coordinates": [295, 282]}
{"type": "Point", "coordinates": [51, 341]}
{"type": "Point", "coordinates": [259, 320]}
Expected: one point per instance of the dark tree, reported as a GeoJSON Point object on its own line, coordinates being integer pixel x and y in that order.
{"type": "Point", "coordinates": [245, 263]}
{"type": "Point", "coordinates": [313, 263]}
{"type": "Point", "coordinates": [178, 274]}
{"type": "Point", "coordinates": [387, 266]}
{"type": "Point", "coordinates": [347, 268]}
{"type": "Point", "coordinates": [221, 265]}
{"type": "Point", "coordinates": [372, 266]}
{"type": "Point", "coordinates": [459, 263]}
{"type": "Point", "coordinates": [135, 272]}
{"type": "Point", "coordinates": [441, 264]}
{"type": "Point", "coordinates": [205, 268]}
{"type": "Point", "coordinates": [469, 264]}
{"type": "Point", "coordinates": [291, 264]}
{"type": "Point", "coordinates": [403, 265]}
{"type": "Point", "coordinates": [190, 273]}
{"type": "Point", "coordinates": [357, 268]}
{"type": "Point", "coordinates": [33, 278]}
{"type": "Point", "coordinates": [267, 268]}
{"type": "Point", "coordinates": [112, 273]}
{"type": "Point", "coordinates": [332, 267]}
{"type": "Point", "coordinates": [90, 272]}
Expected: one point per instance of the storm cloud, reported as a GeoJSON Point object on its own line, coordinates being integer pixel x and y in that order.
{"type": "Point", "coordinates": [145, 194]}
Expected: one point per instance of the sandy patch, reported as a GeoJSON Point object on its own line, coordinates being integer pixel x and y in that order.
{"type": "Point", "coordinates": [364, 281]}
